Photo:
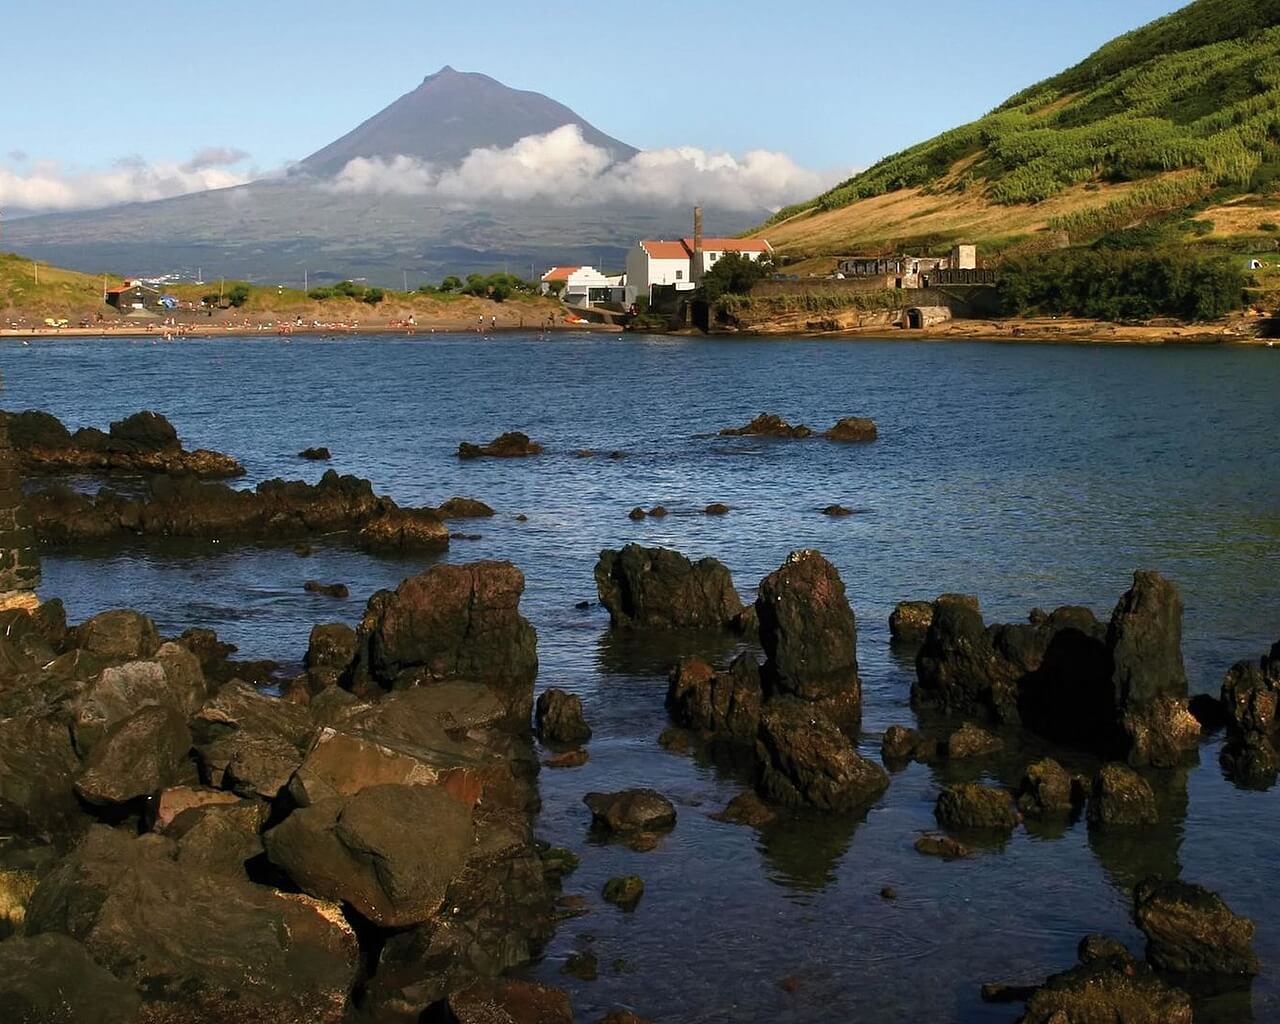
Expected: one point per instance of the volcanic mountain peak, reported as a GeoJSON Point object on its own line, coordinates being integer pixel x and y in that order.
{"type": "Point", "coordinates": [450, 114]}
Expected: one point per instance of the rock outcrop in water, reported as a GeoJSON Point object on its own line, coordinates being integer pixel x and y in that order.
{"type": "Point", "coordinates": [452, 622]}
{"type": "Point", "coordinates": [852, 429]}
{"type": "Point", "coordinates": [19, 562]}
{"type": "Point", "coordinates": [769, 424]}
{"type": "Point", "coordinates": [656, 588]}
{"type": "Point", "coordinates": [276, 511]}
{"type": "Point", "coordinates": [1191, 931]}
{"type": "Point", "coordinates": [1249, 703]}
{"type": "Point", "coordinates": [791, 712]}
{"type": "Point", "coordinates": [511, 445]}
{"type": "Point", "coordinates": [169, 803]}
{"type": "Point", "coordinates": [145, 442]}
{"type": "Point", "coordinates": [1118, 689]}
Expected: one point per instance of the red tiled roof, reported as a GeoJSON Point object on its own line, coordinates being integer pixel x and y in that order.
{"type": "Point", "coordinates": [118, 289]}
{"type": "Point", "coordinates": [559, 273]}
{"type": "Point", "coordinates": [661, 250]}
{"type": "Point", "coordinates": [730, 244]}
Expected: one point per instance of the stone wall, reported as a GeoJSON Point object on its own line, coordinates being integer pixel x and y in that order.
{"type": "Point", "coordinates": [19, 562]}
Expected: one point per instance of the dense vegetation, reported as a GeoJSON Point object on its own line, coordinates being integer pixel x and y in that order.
{"type": "Point", "coordinates": [498, 287]}
{"type": "Point", "coordinates": [733, 274]}
{"type": "Point", "coordinates": [1112, 283]}
{"type": "Point", "coordinates": [1197, 91]}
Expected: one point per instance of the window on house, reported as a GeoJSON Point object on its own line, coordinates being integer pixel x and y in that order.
{"type": "Point", "coordinates": [679, 275]}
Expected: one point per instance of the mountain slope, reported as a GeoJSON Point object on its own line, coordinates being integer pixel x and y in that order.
{"type": "Point", "coordinates": [1154, 122]}
{"type": "Point", "coordinates": [450, 114]}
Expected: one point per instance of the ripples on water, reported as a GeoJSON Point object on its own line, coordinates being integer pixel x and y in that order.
{"type": "Point", "coordinates": [1029, 475]}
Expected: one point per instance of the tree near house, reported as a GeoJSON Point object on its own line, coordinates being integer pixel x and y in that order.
{"type": "Point", "coordinates": [734, 274]}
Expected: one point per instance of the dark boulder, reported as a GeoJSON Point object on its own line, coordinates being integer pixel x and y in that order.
{"type": "Point", "coordinates": [220, 838]}
{"type": "Point", "coordinates": [716, 508]}
{"type": "Point", "coordinates": [559, 719]}
{"type": "Point", "coordinates": [320, 454]}
{"type": "Point", "coordinates": [138, 757]}
{"type": "Point", "coordinates": [972, 741]}
{"type": "Point", "coordinates": [173, 678]}
{"type": "Point", "coordinates": [52, 979]}
{"type": "Point", "coordinates": [143, 432]}
{"type": "Point", "coordinates": [1103, 947]}
{"type": "Point", "coordinates": [1121, 797]}
{"type": "Point", "coordinates": [1190, 930]}
{"type": "Point", "coordinates": [402, 530]}
{"type": "Point", "coordinates": [451, 622]}
{"type": "Point", "coordinates": [1102, 992]}
{"type": "Point", "coordinates": [219, 945]}
{"type": "Point", "coordinates": [970, 806]}
{"type": "Point", "coordinates": [35, 428]}
{"type": "Point", "coordinates": [852, 428]}
{"type": "Point", "coordinates": [512, 444]}
{"type": "Point", "coordinates": [946, 847]}
{"type": "Point", "coordinates": [1145, 640]}
{"type": "Point", "coordinates": [1250, 761]}
{"type": "Point", "coordinates": [900, 745]}
{"type": "Point", "coordinates": [389, 851]}
{"type": "Point", "coordinates": [504, 1001]}
{"type": "Point", "coordinates": [808, 632]}
{"type": "Point", "coordinates": [910, 620]}
{"type": "Point", "coordinates": [631, 810]}
{"type": "Point", "coordinates": [1047, 790]}
{"type": "Point", "coordinates": [768, 424]}
{"type": "Point", "coordinates": [121, 634]}
{"type": "Point", "coordinates": [656, 588]}
{"type": "Point", "coordinates": [725, 704]}
{"type": "Point", "coordinates": [464, 508]}
{"type": "Point", "coordinates": [803, 759]}
{"type": "Point", "coordinates": [837, 511]}
{"type": "Point", "coordinates": [331, 648]}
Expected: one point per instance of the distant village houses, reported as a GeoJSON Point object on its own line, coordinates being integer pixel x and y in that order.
{"type": "Point", "coordinates": [139, 297]}
{"type": "Point", "coordinates": [960, 267]}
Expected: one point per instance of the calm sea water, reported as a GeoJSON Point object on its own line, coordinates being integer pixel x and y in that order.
{"type": "Point", "coordinates": [1028, 475]}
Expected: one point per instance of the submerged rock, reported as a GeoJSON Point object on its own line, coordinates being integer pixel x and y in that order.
{"type": "Point", "coordinates": [900, 745]}
{"type": "Point", "coordinates": [946, 847]}
{"type": "Point", "coordinates": [747, 809]}
{"type": "Point", "coordinates": [631, 810]}
{"type": "Point", "coordinates": [1047, 790]}
{"type": "Point", "coordinates": [512, 444]}
{"type": "Point", "coordinates": [464, 508]}
{"type": "Point", "coordinates": [315, 454]}
{"type": "Point", "coordinates": [972, 741]}
{"type": "Point", "coordinates": [1101, 992]}
{"type": "Point", "coordinates": [768, 424]}
{"type": "Point", "coordinates": [656, 588]}
{"type": "Point", "coordinates": [1190, 930]}
{"type": "Point", "coordinates": [624, 891]}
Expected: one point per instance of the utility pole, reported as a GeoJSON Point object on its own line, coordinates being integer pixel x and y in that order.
{"type": "Point", "coordinates": [304, 280]}
{"type": "Point", "coordinates": [36, 267]}
{"type": "Point", "coordinates": [406, 280]}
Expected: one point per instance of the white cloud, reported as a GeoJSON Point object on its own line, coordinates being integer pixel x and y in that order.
{"type": "Point", "coordinates": [46, 186]}
{"type": "Point", "coordinates": [562, 167]}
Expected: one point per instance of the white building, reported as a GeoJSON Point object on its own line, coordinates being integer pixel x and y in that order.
{"type": "Point", "coordinates": [683, 262]}
{"type": "Point", "coordinates": [581, 286]}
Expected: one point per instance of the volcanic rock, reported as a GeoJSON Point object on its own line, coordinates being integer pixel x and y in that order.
{"type": "Point", "coordinates": [808, 632]}
{"type": "Point", "coordinates": [558, 717]}
{"type": "Point", "coordinates": [1190, 930]}
{"type": "Point", "coordinates": [512, 444]}
{"type": "Point", "coordinates": [725, 704]}
{"type": "Point", "coordinates": [768, 424]}
{"type": "Point", "coordinates": [972, 806]}
{"type": "Point", "coordinates": [802, 758]}
{"type": "Point", "coordinates": [1121, 797]}
{"type": "Point", "coordinates": [656, 588]}
{"type": "Point", "coordinates": [631, 810]}
{"type": "Point", "coordinates": [852, 428]}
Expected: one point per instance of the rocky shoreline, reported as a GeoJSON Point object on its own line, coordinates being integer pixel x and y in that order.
{"type": "Point", "coordinates": [177, 842]}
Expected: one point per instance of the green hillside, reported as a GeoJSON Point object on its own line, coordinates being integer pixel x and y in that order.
{"type": "Point", "coordinates": [1182, 109]}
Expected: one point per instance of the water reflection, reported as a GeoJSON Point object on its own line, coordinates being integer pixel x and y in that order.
{"type": "Point", "coordinates": [803, 851]}
{"type": "Point", "coordinates": [1131, 853]}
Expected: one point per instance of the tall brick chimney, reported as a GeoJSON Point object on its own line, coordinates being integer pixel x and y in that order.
{"type": "Point", "coordinates": [19, 562]}
{"type": "Point", "coordinates": [697, 243]}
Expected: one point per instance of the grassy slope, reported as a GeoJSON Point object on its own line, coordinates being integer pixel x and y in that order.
{"type": "Point", "coordinates": [66, 293]}
{"type": "Point", "coordinates": [1158, 124]}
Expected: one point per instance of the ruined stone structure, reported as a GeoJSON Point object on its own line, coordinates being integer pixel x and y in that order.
{"type": "Point", "coordinates": [19, 563]}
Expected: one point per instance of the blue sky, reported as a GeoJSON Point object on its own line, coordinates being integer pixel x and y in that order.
{"type": "Point", "coordinates": [833, 85]}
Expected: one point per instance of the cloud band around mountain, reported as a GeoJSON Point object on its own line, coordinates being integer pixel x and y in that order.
{"type": "Point", "coordinates": [562, 167]}
{"type": "Point", "coordinates": [46, 186]}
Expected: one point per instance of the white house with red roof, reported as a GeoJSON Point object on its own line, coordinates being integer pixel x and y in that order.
{"type": "Point", "coordinates": [580, 286]}
{"type": "Point", "coordinates": [682, 262]}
